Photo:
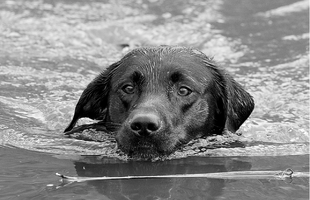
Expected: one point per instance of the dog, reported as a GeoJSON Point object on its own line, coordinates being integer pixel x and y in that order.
{"type": "Point", "coordinates": [158, 98]}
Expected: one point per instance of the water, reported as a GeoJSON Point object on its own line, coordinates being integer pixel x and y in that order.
{"type": "Point", "coordinates": [50, 50]}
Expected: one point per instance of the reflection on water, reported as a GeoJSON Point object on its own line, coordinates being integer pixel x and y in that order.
{"type": "Point", "coordinates": [185, 188]}
{"type": "Point", "coordinates": [50, 50]}
{"type": "Point", "coordinates": [162, 188]}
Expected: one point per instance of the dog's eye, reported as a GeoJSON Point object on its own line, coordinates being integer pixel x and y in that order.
{"type": "Point", "coordinates": [129, 89]}
{"type": "Point", "coordinates": [184, 91]}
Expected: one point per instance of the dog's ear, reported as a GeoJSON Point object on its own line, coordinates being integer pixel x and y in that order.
{"type": "Point", "coordinates": [233, 104]}
{"type": "Point", "coordinates": [219, 101]}
{"type": "Point", "coordinates": [240, 104]}
{"type": "Point", "coordinates": [93, 101]}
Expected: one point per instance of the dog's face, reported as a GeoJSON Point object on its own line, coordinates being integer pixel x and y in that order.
{"type": "Point", "coordinates": [163, 97]}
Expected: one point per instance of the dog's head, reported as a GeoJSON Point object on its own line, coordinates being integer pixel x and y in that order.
{"type": "Point", "coordinates": [162, 97]}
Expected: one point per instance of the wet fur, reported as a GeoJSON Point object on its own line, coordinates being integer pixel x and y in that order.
{"type": "Point", "coordinates": [217, 102]}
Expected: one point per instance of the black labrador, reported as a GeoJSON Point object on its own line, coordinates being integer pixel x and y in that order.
{"type": "Point", "coordinates": [158, 98]}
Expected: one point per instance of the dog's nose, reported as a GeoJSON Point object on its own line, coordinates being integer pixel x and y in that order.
{"type": "Point", "coordinates": [145, 124]}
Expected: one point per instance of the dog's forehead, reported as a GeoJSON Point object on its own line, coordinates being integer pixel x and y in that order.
{"type": "Point", "coordinates": [165, 58]}
{"type": "Point", "coordinates": [167, 52]}
{"type": "Point", "coordinates": [159, 64]}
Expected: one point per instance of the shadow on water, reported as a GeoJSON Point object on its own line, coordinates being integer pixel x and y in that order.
{"type": "Point", "coordinates": [162, 188]}
{"type": "Point", "coordinates": [189, 188]}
